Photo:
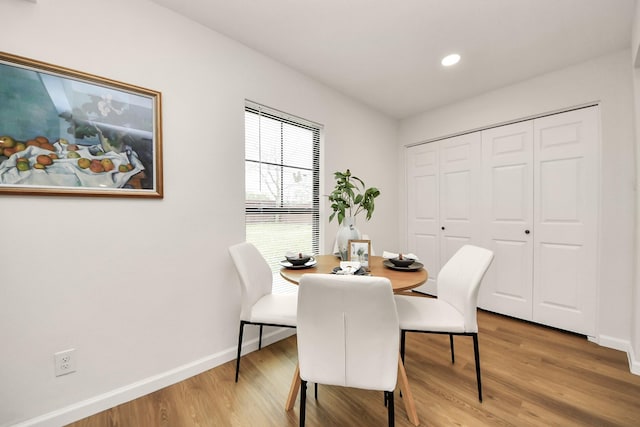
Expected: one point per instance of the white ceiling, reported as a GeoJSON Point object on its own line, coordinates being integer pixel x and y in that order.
{"type": "Point", "coordinates": [386, 53]}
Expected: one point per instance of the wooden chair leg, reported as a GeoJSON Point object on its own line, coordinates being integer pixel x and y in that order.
{"type": "Point", "coordinates": [476, 351]}
{"type": "Point", "coordinates": [239, 348]}
{"type": "Point", "coordinates": [303, 401]}
{"type": "Point", "coordinates": [293, 389]}
{"type": "Point", "coordinates": [407, 395]}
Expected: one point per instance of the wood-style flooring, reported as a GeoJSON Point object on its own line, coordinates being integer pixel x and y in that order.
{"type": "Point", "coordinates": [532, 376]}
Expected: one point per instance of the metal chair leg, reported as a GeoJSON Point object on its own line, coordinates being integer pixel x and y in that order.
{"type": "Point", "coordinates": [453, 357]}
{"type": "Point", "coordinates": [242, 323]}
{"type": "Point", "coordinates": [403, 334]}
{"type": "Point", "coordinates": [303, 401]}
{"type": "Point", "coordinates": [260, 339]}
{"type": "Point", "coordinates": [476, 350]}
{"type": "Point", "coordinates": [390, 408]}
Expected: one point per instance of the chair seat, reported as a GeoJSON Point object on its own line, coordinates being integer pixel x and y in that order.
{"type": "Point", "coordinates": [277, 309]}
{"type": "Point", "coordinates": [429, 315]}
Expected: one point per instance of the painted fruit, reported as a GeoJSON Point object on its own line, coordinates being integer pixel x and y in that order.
{"type": "Point", "coordinates": [7, 142]}
{"type": "Point", "coordinates": [107, 164]}
{"type": "Point", "coordinates": [84, 163]}
{"type": "Point", "coordinates": [96, 166]}
{"type": "Point", "coordinates": [23, 166]}
{"type": "Point", "coordinates": [44, 160]}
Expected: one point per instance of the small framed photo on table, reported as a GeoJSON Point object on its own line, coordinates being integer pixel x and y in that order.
{"type": "Point", "coordinates": [359, 250]}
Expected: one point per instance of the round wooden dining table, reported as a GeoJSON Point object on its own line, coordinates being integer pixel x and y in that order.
{"type": "Point", "coordinates": [401, 280]}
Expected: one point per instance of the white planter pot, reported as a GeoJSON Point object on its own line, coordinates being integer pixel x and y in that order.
{"type": "Point", "coordinates": [346, 232]}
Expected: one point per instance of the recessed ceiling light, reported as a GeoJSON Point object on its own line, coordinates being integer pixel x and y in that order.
{"type": "Point", "coordinates": [450, 60]}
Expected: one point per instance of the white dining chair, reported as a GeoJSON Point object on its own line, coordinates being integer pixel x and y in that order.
{"type": "Point", "coordinates": [348, 335]}
{"type": "Point", "coordinates": [259, 306]}
{"type": "Point", "coordinates": [454, 311]}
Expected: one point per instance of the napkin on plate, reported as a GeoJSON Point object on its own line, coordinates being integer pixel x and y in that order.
{"type": "Point", "coordinates": [389, 255]}
{"type": "Point", "coordinates": [348, 267]}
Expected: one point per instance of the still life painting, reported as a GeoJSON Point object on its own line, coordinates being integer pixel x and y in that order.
{"type": "Point", "coordinates": [65, 132]}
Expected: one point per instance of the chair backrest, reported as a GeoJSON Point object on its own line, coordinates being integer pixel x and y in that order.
{"type": "Point", "coordinates": [348, 331]}
{"type": "Point", "coordinates": [459, 281]}
{"type": "Point", "coordinates": [256, 279]}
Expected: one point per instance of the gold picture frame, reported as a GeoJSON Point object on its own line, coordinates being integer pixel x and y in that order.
{"type": "Point", "coordinates": [66, 132]}
{"type": "Point", "coordinates": [360, 250]}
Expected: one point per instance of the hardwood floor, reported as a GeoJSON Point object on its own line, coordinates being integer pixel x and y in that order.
{"type": "Point", "coordinates": [532, 376]}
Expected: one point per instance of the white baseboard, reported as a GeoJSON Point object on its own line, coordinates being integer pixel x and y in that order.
{"type": "Point", "coordinates": [611, 342]}
{"type": "Point", "coordinates": [88, 407]}
{"type": "Point", "coordinates": [622, 345]}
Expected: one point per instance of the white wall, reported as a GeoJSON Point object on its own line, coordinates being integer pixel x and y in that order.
{"type": "Point", "coordinates": [635, 53]}
{"type": "Point", "coordinates": [144, 289]}
{"type": "Point", "coordinates": [608, 81]}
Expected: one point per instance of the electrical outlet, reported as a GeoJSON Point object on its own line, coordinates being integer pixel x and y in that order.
{"type": "Point", "coordinates": [65, 362]}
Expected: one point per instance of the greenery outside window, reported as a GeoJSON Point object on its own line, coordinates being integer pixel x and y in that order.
{"type": "Point", "coordinates": [282, 202]}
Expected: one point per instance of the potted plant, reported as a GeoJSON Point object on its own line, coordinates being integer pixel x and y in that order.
{"type": "Point", "coordinates": [349, 198]}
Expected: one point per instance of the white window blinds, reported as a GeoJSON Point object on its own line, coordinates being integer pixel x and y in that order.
{"type": "Point", "coordinates": [281, 185]}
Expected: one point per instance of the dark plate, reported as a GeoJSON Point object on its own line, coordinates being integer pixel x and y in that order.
{"type": "Point", "coordinates": [308, 264]}
{"type": "Point", "coordinates": [413, 267]}
{"type": "Point", "coordinates": [299, 261]}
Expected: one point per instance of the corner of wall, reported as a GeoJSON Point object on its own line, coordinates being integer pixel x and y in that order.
{"type": "Point", "coordinates": [635, 37]}
{"type": "Point", "coordinates": [634, 363]}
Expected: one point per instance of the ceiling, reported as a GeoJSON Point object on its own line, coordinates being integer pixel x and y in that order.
{"type": "Point", "coordinates": [386, 53]}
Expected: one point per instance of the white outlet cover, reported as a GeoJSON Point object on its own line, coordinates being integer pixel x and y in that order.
{"type": "Point", "coordinates": [65, 362]}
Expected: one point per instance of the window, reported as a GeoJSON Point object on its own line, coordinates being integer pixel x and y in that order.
{"type": "Point", "coordinates": [281, 185]}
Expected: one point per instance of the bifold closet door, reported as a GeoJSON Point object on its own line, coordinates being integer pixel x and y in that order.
{"type": "Point", "coordinates": [422, 209]}
{"type": "Point", "coordinates": [443, 184]}
{"type": "Point", "coordinates": [540, 195]}
{"type": "Point", "coordinates": [565, 220]}
{"type": "Point", "coordinates": [507, 164]}
{"type": "Point", "coordinates": [460, 176]}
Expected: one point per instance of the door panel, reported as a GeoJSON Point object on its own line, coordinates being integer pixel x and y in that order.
{"type": "Point", "coordinates": [508, 214]}
{"type": "Point", "coordinates": [459, 170]}
{"type": "Point", "coordinates": [422, 209]}
{"type": "Point", "coordinates": [565, 149]}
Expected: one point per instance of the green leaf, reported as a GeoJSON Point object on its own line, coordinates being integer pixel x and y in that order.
{"type": "Point", "coordinates": [350, 193]}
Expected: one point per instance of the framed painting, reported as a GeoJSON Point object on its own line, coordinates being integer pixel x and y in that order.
{"type": "Point", "coordinates": [359, 250]}
{"type": "Point", "coordinates": [65, 132]}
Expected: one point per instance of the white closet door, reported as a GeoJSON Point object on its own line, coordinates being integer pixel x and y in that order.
{"type": "Point", "coordinates": [507, 164]}
{"type": "Point", "coordinates": [459, 166]}
{"type": "Point", "coordinates": [422, 209]}
{"type": "Point", "coordinates": [566, 193]}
